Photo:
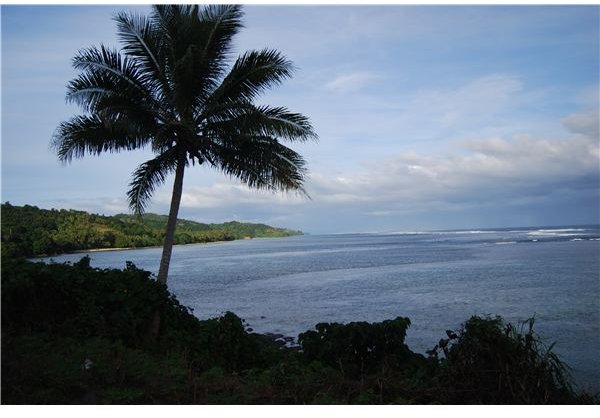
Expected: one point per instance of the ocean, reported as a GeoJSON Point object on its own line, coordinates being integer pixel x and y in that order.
{"type": "Point", "coordinates": [438, 279]}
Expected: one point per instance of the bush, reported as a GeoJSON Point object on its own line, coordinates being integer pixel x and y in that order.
{"type": "Point", "coordinates": [492, 362]}
{"type": "Point", "coordinates": [359, 347]}
{"type": "Point", "coordinates": [80, 301]}
{"type": "Point", "coordinates": [42, 369]}
{"type": "Point", "coordinates": [54, 316]}
{"type": "Point", "coordinates": [76, 334]}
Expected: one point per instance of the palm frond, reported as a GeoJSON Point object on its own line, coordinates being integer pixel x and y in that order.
{"type": "Point", "coordinates": [113, 74]}
{"type": "Point", "coordinates": [276, 122]}
{"type": "Point", "coordinates": [110, 62]}
{"type": "Point", "coordinates": [95, 135]}
{"type": "Point", "coordinates": [97, 93]}
{"type": "Point", "coordinates": [219, 23]}
{"type": "Point", "coordinates": [147, 177]}
{"type": "Point", "coordinates": [280, 122]}
{"type": "Point", "coordinates": [260, 162]}
{"type": "Point", "coordinates": [143, 41]}
{"type": "Point", "coordinates": [251, 74]}
{"type": "Point", "coordinates": [199, 43]}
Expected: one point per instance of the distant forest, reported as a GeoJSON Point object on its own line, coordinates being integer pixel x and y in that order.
{"type": "Point", "coordinates": [29, 230]}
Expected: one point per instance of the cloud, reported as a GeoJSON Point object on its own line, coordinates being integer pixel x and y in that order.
{"type": "Point", "coordinates": [346, 83]}
{"type": "Point", "coordinates": [483, 97]}
{"type": "Point", "coordinates": [488, 105]}
{"type": "Point", "coordinates": [229, 194]}
{"type": "Point", "coordinates": [589, 97]}
{"type": "Point", "coordinates": [587, 124]}
{"type": "Point", "coordinates": [116, 205]}
{"type": "Point", "coordinates": [486, 171]}
{"type": "Point", "coordinates": [483, 172]}
{"type": "Point", "coordinates": [101, 205]}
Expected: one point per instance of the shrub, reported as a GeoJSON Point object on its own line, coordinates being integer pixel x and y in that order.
{"type": "Point", "coordinates": [76, 334]}
{"type": "Point", "coordinates": [55, 315]}
{"type": "Point", "coordinates": [489, 361]}
{"type": "Point", "coordinates": [359, 347]}
{"type": "Point", "coordinates": [42, 369]}
{"type": "Point", "coordinates": [80, 301]}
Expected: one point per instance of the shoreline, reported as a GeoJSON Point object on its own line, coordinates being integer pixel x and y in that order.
{"type": "Point", "coordinates": [98, 250]}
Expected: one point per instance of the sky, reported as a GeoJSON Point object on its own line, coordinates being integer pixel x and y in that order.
{"type": "Point", "coordinates": [429, 117]}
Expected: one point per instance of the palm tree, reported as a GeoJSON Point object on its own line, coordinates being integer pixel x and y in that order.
{"type": "Point", "coordinates": [171, 87]}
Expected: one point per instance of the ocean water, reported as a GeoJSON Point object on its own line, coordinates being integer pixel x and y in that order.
{"type": "Point", "coordinates": [437, 279]}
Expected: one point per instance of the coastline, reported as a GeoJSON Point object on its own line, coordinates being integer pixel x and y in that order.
{"type": "Point", "coordinates": [97, 250]}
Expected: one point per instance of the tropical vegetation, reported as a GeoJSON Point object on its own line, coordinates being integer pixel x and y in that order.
{"type": "Point", "coordinates": [72, 334]}
{"type": "Point", "coordinates": [30, 231]}
{"type": "Point", "coordinates": [174, 87]}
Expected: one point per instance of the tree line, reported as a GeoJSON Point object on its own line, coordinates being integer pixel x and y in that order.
{"type": "Point", "coordinates": [29, 231]}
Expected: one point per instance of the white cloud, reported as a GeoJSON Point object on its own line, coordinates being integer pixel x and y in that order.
{"type": "Point", "coordinates": [346, 83]}
{"type": "Point", "coordinates": [378, 124]}
{"type": "Point", "coordinates": [483, 97]}
{"type": "Point", "coordinates": [100, 205]}
{"type": "Point", "coordinates": [115, 205]}
{"type": "Point", "coordinates": [227, 194]}
{"type": "Point", "coordinates": [488, 169]}
{"type": "Point", "coordinates": [587, 124]}
{"type": "Point", "coordinates": [589, 97]}
{"type": "Point", "coordinates": [484, 172]}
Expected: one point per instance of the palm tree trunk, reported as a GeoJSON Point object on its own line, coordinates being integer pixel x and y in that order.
{"type": "Point", "coordinates": [165, 259]}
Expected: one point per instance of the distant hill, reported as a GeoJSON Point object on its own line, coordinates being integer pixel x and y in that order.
{"type": "Point", "coordinates": [28, 230]}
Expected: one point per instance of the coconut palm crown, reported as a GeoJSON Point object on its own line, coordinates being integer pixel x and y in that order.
{"type": "Point", "coordinates": [175, 87]}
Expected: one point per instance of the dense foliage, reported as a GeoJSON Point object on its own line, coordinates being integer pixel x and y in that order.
{"type": "Point", "coordinates": [75, 334]}
{"type": "Point", "coordinates": [28, 230]}
{"type": "Point", "coordinates": [359, 347]}
{"type": "Point", "coordinates": [506, 364]}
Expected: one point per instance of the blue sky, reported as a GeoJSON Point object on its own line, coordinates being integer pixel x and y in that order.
{"type": "Point", "coordinates": [429, 117]}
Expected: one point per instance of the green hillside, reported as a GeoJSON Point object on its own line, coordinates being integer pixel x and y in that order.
{"type": "Point", "coordinates": [28, 230]}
